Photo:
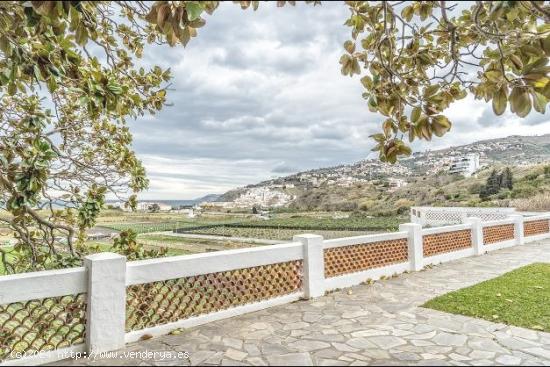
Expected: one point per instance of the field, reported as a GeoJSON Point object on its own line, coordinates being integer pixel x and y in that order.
{"type": "Point", "coordinates": [518, 298]}
{"type": "Point", "coordinates": [271, 233]}
{"type": "Point", "coordinates": [185, 246]}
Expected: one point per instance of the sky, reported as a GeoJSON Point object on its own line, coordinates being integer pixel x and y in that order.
{"type": "Point", "coordinates": [259, 95]}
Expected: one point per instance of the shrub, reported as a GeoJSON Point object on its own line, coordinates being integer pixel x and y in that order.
{"type": "Point", "coordinates": [539, 202]}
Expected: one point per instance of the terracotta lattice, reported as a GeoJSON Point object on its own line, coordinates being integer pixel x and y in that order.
{"type": "Point", "coordinates": [41, 325]}
{"type": "Point", "coordinates": [498, 233]}
{"type": "Point", "coordinates": [158, 303]}
{"type": "Point", "coordinates": [536, 227]}
{"type": "Point", "coordinates": [351, 259]}
{"type": "Point", "coordinates": [441, 243]}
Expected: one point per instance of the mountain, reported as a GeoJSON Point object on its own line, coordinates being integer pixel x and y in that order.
{"type": "Point", "coordinates": [520, 151]}
{"type": "Point", "coordinates": [207, 198]}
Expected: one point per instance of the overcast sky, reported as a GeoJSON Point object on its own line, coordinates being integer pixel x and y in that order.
{"type": "Point", "coordinates": [260, 94]}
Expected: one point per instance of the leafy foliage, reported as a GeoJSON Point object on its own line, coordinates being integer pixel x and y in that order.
{"type": "Point", "coordinates": [126, 244]}
{"type": "Point", "coordinates": [419, 57]}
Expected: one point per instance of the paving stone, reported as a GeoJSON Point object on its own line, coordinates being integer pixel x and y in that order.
{"type": "Point", "coordinates": [459, 357]}
{"type": "Point", "coordinates": [255, 361]}
{"type": "Point", "coordinates": [200, 356]}
{"type": "Point", "coordinates": [486, 344]}
{"type": "Point", "coordinates": [539, 352]}
{"type": "Point", "coordinates": [455, 340]}
{"type": "Point", "coordinates": [508, 360]}
{"type": "Point", "coordinates": [308, 345]}
{"type": "Point", "coordinates": [524, 333]}
{"type": "Point", "coordinates": [252, 349]}
{"type": "Point", "coordinates": [406, 356]}
{"type": "Point", "coordinates": [291, 359]}
{"type": "Point", "coordinates": [433, 356]}
{"type": "Point", "coordinates": [370, 332]}
{"type": "Point", "coordinates": [344, 347]}
{"type": "Point", "coordinates": [233, 343]}
{"type": "Point", "coordinates": [375, 353]}
{"type": "Point", "coordinates": [387, 342]}
{"type": "Point", "coordinates": [236, 355]}
{"type": "Point", "coordinates": [360, 343]}
{"type": "Point", "coordinates": [296, 325]}
{"type": "Point", "coordinates": [331, 362]}
{"type": "Point", "coordinates": [481, 354]}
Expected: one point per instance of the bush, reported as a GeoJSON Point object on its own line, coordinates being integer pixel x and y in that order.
{"type": "Point", "coordinates": [475, 188]}
{"type": "Point", "coordinates": [367, 204]}
{"type": "Point", "coordinates": [523, 191]}
{"type": "Point", "coordinates": [532, 176]}
{"type": "Point", "coordinates": [539, 202]}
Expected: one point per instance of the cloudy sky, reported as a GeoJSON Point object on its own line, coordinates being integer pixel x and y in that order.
{"type": "Point", "coordinates": [259, 94]}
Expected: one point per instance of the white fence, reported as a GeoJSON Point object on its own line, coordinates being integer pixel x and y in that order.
{"type": "Point", "coordinates": [110, 302]}
{"type": "Point", "coordinates": [439, 216]}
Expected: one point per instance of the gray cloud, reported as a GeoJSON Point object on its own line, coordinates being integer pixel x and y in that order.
{"type": "Point", "coordinates": [259, 94]}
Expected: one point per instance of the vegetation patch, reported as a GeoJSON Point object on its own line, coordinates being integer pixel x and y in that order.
{"type": "Point", "coordinates": [520, 297]}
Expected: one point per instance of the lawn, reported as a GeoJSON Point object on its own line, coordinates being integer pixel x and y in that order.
{"type": "Point", "coordinates": [520, 297]}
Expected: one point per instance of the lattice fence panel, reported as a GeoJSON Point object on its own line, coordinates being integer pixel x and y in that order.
{"type": "Point", "coordinates": [42, 325]}
{"type": "Point", "coordinates": [498, 233]}
{"type": "Point", "coordinates": [351, 259]}
{"type": "Point", "coordinates": [441, 243]}
{"type": "Point", "coordinates": [536, 227]}
{"type": "Point", "coordinates": [443, 217]}
{"type": "Point", "coordinates": [158, 303]}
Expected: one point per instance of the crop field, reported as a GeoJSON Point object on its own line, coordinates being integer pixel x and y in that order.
{"type": "Point", "coordinates": [186, 246]}
{"type": "Point", "coordinates": [360, 223]}
{"type": "Point", "coordinates": [270, 233]}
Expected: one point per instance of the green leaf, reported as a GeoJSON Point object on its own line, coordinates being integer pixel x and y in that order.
{"type": "Point", "coordinates": [415, 114]}
{"type": "Point", "coordinates": [520, 103]}
{"type": "Point", "coordinates": [194, 11]}
{"type": "Point", "coordinates": [440, 125]}
{"type": "Point", "coordinates": [499, 102]}
{"type": "Point", "coordinates": [539, 102]}
{"type": "Point", "coordinates": [431, 90]}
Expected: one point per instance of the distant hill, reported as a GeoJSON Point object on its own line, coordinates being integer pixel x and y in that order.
{"type": "Point", "coordinates": [337, 187]}
{"type": "Point", "coordinates": [208, 198]}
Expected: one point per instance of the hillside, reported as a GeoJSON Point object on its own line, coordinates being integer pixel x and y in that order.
{"type": "Point", "coordinates": [372, 185]}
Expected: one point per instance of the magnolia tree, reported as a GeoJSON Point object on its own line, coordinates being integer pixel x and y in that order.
{"type": "Point", "coordinates": [69, 82]}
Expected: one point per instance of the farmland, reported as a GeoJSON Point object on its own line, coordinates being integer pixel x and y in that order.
{"type": "Point", "coordinates": [270, 233]}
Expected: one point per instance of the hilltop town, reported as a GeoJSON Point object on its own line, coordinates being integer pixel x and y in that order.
{"type": "Point", "coordinates": [465, 160]}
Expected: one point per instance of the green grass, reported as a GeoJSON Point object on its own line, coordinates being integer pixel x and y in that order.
{"type": "Point", "coordinates": [520, 297]}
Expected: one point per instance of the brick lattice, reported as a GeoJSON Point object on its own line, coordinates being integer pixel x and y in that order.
{"type": "Point", "coordinates": [42, 325]}
{"type": "Point", "coordinates": [354, 258]}
{"type": "Point", "coordinates": [498, 233]}
{"type": "Point", "coordinates": [158, 303]}
{"type": "Point", "coordinates": [440, 243]}
{"type": "Point", "coordinates": [536, 227]}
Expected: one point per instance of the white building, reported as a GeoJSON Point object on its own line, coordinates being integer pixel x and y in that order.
{"type": "Point", "coordinates": [465, 165]}
{"type": "Point", "coordinates": [148, 206]}
{"type": "Point", "coordinates": [263, 197]}
{"type": "Point", "coordinates": [396, 183]}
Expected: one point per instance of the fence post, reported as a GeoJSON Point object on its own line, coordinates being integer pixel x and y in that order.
{"type": "Point", "coordinates": [314, 264]}
{"type": "Point", "coordinates": [518, 229]}
{"type": "Point", "coordinates": [477, 234]}
{"type": "Point", "coordinates": [422, 218]}
{"type": "Point", "coordinates": [106, 308]}
{"type": "Point", "coordinates": [416, 256]}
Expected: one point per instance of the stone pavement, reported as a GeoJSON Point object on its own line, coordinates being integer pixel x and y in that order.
{"type": "Point", "coordinates": [378, 324]}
